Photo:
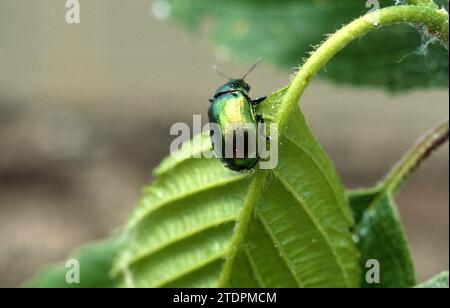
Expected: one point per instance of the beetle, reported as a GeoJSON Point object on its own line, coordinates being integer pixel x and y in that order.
{"type": "Point", "coordinates": [234, 113]}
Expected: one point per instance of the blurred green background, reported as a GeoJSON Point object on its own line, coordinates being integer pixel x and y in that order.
{"type": "Point", "coordinates": [85, 112]}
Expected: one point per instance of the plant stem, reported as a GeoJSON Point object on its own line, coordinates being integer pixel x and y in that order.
{"type": "Point", "coordinates": [436, 21]}
{"type": "Point", "coordinates": [416, 155]}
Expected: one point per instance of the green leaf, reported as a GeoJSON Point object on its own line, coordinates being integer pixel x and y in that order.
{"type": "Point", "coordinates": [438, 282]}
{"type": "Point", "coordinates": [380, 236]}
{"type": "Point", "coordinates": [282, 31]}
{"type": "Point", "coordinates": [95, 262]}
{"type": "Point", "coordinates": [378, 231]}
{"type": "Point", "coordinates": [202, 225]}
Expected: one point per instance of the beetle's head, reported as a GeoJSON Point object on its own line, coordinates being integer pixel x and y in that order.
{"type": "Point", "coordinates": [234, 85]}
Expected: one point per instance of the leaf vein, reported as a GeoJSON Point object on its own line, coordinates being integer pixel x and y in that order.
{"type": "Point", "coordinates": [289, 189]}
{"type": "Point", "coordinates": [192, 269]}
{"type": "Point", "coordinates": [324, 174]}
{"type": "Point", "coordinates": [278, 245]}
{"type": "Point", "coordinates": [185, 236]}
{"type": "Point", "coordinates": [189, 193]}
{"type": "Point", "coordinates": [253, 267]}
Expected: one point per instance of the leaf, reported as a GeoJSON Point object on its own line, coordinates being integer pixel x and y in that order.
{"type": "Point", "coordinates": [378, 231]}
{"type": "Point", "coordinates": [95, 266]}
{"type": "Point", "coordinates": [202, 225]}
{"type": "Point", "coordinates": [438, 282]}
{"type": "Point", "coordinates": [379, 235]}
{"type": "Point", "coordinates": [282, 31]}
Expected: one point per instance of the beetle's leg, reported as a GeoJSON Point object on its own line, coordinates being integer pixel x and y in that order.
{"type": "Point", "coordinates": [258, 101]}
{"type": "Point", "coordinates": [260, 119]}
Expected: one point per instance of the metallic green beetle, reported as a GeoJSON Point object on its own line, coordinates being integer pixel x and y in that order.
{"type": "Point", "coordinates": [233, 112]}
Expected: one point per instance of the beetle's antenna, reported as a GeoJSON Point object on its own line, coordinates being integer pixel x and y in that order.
{"type": "Point", "coordinates": [218, 71]}
{"type": "Point", "coordinates": [252, 68]}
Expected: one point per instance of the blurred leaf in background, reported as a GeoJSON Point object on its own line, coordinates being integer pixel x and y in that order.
{"type": "Point", "coordinates": [283, 31]}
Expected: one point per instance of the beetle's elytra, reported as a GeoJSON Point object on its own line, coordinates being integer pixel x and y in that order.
{"type": "Point", "coordinates": [233, 111]}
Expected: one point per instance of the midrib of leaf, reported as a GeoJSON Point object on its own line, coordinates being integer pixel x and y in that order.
{"type": "Point", "coordinates": [253, 195]}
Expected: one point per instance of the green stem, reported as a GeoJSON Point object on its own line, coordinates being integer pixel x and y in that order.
{"type": "Point", "coordinates": [436, 22]}
{"type": "Point", "coordinates": [414, 157]}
